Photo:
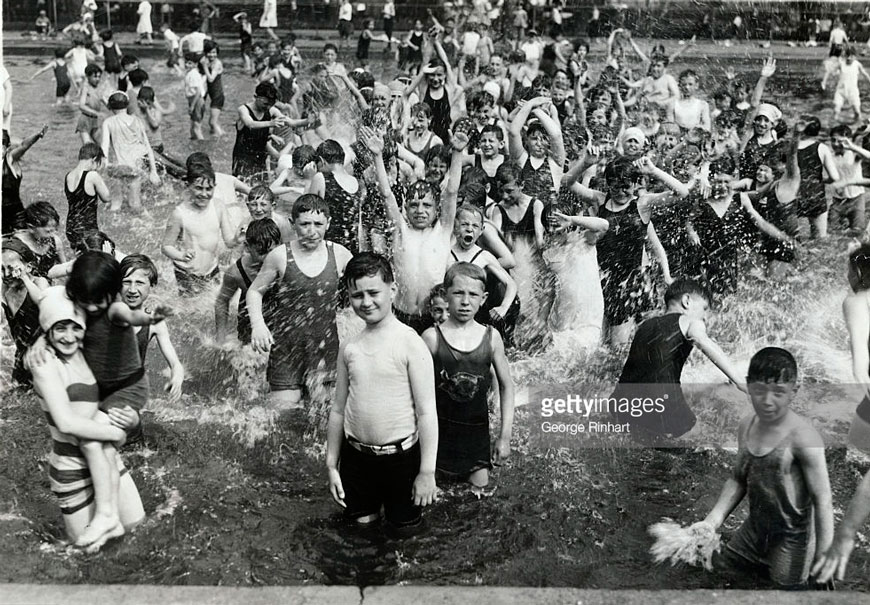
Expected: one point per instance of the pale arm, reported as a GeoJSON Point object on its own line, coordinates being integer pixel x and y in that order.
{"type": "Point", "coordinates": [176, 370]}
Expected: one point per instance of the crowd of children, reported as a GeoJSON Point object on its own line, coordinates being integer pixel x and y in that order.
{"type": "Point", "coordinates": [486, 202]}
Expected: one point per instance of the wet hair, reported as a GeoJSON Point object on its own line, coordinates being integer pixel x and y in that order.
{"type": "Point", "coordinates": [841, 130]}
{"type": "Point", "coordinates": [814, 125]}
{"type": "Point", "coordinates": [367, 264]}
{"type": "Point", "coordinates": [471, 209]}
{"type": "Point", "coordinates": [682, 286]}
{"type": "Point", "coordinates": [423, 108]}
{"type": "Point", "coordinates": [266, 90]}
{"type": "Point", "coordinates": [723, 165]}
{"type": "Point", "coordinates": [262, 191]}
{"type": "Point", "coordinates": [725, 120]}
{"type": "Point", "coordinates": [134, 262]}
{"type": "Point", "coordinates": [536, 127]}
{"type": "Point", "coordinates": [290, 38]}
{"type": "Point", "coordinates": [118, 100]}
{"type": "Point", "coordinates": [146, 95]}
{"type": "Point", "coordinates": [441, 152]}
{"type": "Point", "coordinates": [581, 42]}
{"type": "Point", "coordinates": [95, 277]}
{"type": "Point", "coordinates": [437, 291]}
{"type": "Point", "coordinates": [302, 155]}
{"type": "Point", "coordinates": [478, 99]}
{"type": "Point", "coordinates": [772, 364]}
{"type": "Point", "coordinates": [722, 93]}
{"type": "Point", "coordinates": [128, 60]}
{"type": "Point", "coordinates": [106, 35]}
{"type": "Point", "coordinates": [94, 240]}
{"type": "Point", "coordinates": [262, 236]}
{"type": "Point", "coordinates": [541, 82]}
{"type": "Point", "coordinates": [493, 128]}
{"type": "Point", "coordinates": [192, 57]}
{"type": "Point", "coordinates": [92, 69]}
{"type": "Point", "coordinates": [59, 53]}
{"type": "Point", "coordinates": [687, 73]}
{"type": "Point", "coordinates": [363, 79]}
{"type": "Point", "coordinates": [199, 166]}
{"type": "Point", "coordinates": [275, 61]}
{"type": "Point", "coordinates": [469, 270]}
{"type": "Point", "coordinates": [331, 152]}
{"type": "Point", "coordinates": [309, 202]}
{"type": "Point", "coordinates": [137, 77]}
{"type": "Point", "coordinates": [420, 189]}
{"type": "Point", "coordinates": [330, 46]}
{"type": "Point", "coordinates": [621, 171]}
{"type": "Point", "coordinates": [40, 214]}
{"type": "Point", "coordinates": [473, 175]}
{"type": "Point", "coordinates": [13, 244]}
{"type": "Point", "coordinates": [508, 172]}
{"type": "Point", "coordinates": [210, 45]}
{"type": "Point", "coordinates": [859, 268]}
{"type": "Point", "coordinates": [90, 151]}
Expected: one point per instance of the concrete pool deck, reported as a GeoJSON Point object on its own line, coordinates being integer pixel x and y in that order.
{"type": "Point", "coordinates": [119, 594]}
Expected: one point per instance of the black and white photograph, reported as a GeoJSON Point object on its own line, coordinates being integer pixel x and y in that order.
{"type": "Point", "coordinates": [417, 301]}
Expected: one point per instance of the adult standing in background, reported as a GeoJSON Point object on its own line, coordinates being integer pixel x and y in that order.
{"type": "Point", "coordinates": [389, 21]}
{"type": "Point", "coordinates": [269, 20]}
{"type": "Point", "coordinates": [345, 22]}
{"type": "Point", "coordinates": [143, 28]}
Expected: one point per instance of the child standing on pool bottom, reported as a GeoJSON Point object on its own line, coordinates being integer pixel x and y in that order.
{"type": "Point", "coordinates": [382, 439]}
{"type": "Point", "coordinates": [781, 468]}
{"type": "Point", "coordinates": [464, 352]}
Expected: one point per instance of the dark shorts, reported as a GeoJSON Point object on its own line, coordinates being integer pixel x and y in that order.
{"type": "Point", "coordinates": [217, 100]}
{"type": "Point", "coordinates": [190, 284]}
{"type": "Point", "coordinates": [836, 50]}
{"type": "Point", "coordinates": [171, 58]}
{"type": "Point", "coordinates": [371, 482]}
{"type": "Point", "coordinates": [196, 108]}
{"type": "Point", "coordinates": [812, 206]}
{"type": "Point", "coordinates": [62, 88]}
{"type": "Point", "coordinates": [294, 366]}
{"type": "Point", "coordinates": [785, 559]}
{"type": "Point", "coordinates": [345, 28]}
{"type": "Point", "coordinates": [420, 322]}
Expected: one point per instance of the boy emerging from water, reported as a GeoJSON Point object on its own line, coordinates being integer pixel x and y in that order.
{"type": "Point", "coordinates": [421, 243]}
{"type": "Point", "coordinates": [655, 361]}
{"type": "Point", "coordinates": [382, 439]}
{"type": "Point", "coordinates": [781, 468]}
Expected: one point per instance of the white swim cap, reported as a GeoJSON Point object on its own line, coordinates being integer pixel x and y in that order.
{"type": "Point", "coordinates": [55, 306]}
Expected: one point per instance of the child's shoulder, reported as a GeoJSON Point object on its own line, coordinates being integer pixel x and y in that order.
{"type": "Point", "coordinates": [803, 432]}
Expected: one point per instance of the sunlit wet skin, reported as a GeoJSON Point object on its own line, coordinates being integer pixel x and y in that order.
{"type": "Point", "coordinates": [205, 461]}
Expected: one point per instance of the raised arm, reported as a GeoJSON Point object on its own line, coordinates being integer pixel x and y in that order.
{"type": "Point", "coordinates": [375, 144]}
{"type": "Point", "coordinates": [515, 129]}
{"type": "Point", "coordinates": [554, 131]}
{"type": "Point", "coordinates": [19, 150]}
{"type": "Point", "coordinates": [448, 201]}
{"type": "Point", "coordinates": [767, 70]}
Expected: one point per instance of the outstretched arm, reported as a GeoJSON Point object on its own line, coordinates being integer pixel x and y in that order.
{"type": "Point", "coordinates": [18, 151]}
{"type": "Point", "coordinates": [697, 333]}
{"type": "Point", "coordinates": [375, 144]}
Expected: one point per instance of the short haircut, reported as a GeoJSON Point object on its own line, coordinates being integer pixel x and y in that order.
{"type": "Point", "coordinates": [367, 264]}
{"type": "Point", "coordinates": [94, 240]}
{"type": "Point", "coordinates": [536, 127]}
{"type": "Point", "coordinates": [493, 129]}
{"type": "Point", "coordinates": [59, 53]}
{"type": "Point", "coordinates": [90, 151]}
{"type": "Point", "coordinates": [133, 262]}
{"type": "Point", "coordinates": [262, 191]}
{"type": "Point", "coordinates": [92, 69]}
{"type": "Point", "coordinates": [95, 277]}
{"type": "Point", "coordinates": [473, 194]}
{"type": "Point", "coordinates": [330, 46]}
{"type": "Point", "coordinates": [542, 81]}
{"type": "Point", "coordinates": [478, 99]}
{"type": "Point", "coordinates": [146, 95]}
{"type": "Point", "coordinates": [266, 90]}
{"type": "Point", "coordinates": [331, 152]}
{"type": "Point", "coordinates": [438, 152]}
{"type": "Point", "coordinates": [687, 73]}
{"type": "Point", "coordinates": [199, 166]}
{"type": "Point", "coordinates": [128, 60]}
{"type": "Point", "coordinates": [508, 172]}
{"type": "Point", "coordinates": [683, 286]}
{"type": "Point", "coordinates": [471, 209]}
{"type": "Point", "coordinates": [40, 214]}
{"type": "Point", "coordinates": [210, 45]}
{"type": "Point", "coordinates": [137, 77]}
{"type": "Point", "coordinates": [841, 130]}
{"type": "Point", "coordinates": [309, 202]}
{"type": "Point", "coordinates": [621, 171]}
{"type": "Point", "coordinates": [420, 189]}
{"type": "Point", "coordinates": [303, 155]}
{"type": "Point", "coordinates": [814, 125]}
{"type": "Point", "coordinates": [859, 268]}
{"type": "Point", "coordinates": [772, 364]}
{"type": "Point", "coordinates": [118, 100]}
{"type": "Point", "coordinates": [437, 291]}
{"type": "Point", "coordinates": [262, 235]}
{"type": "Point", "coordinates": [469, 270]}
{"type": "Point", "coordinates": [106, 35]}
{"type": "Point", "coordinates": [722, 93]}
{"type": "Point", "coordinates": [192, 57]}
{"type": "Point", "coordinates": [423, 108]}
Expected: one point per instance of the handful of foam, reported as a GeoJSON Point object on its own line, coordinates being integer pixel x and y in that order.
{"type": "Point", "coordinates": [694, 545]}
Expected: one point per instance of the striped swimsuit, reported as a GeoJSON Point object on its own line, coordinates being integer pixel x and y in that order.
{"type": "Point", "coordinates": [69, 477]}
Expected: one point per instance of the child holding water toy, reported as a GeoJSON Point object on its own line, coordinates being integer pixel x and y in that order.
{"type": "Point", "coordinates": [139, 276]}
{"type": "Point", "coordinates": [781, 468]}
{"type": "Point", "coordinates": [382, 440]}
{"type": "Point", "coordinates": [660, 348]}
{"type": "Point", "coordinates": [97, 496]}
{"type": "Point", "coordinates": [464, 352]}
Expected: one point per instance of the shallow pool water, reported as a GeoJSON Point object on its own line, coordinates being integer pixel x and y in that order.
{"type": "Point", "coordinates": [233, 497]}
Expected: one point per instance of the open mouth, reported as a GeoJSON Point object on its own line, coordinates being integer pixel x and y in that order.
{"type": "Point", "coordinates": [468, 239]}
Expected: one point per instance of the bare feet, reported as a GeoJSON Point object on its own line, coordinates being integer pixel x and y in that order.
{"type": "Point", "coordinates": [100, 529]}
{"type": "Point", "coordinates": [115, 532]}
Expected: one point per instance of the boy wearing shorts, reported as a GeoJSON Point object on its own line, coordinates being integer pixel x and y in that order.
{"type": "Point", "coordinates": [382, 438]}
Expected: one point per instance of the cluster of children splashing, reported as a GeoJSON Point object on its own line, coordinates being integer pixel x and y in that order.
{"type": "Point", "coordinates": [484, 204]}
